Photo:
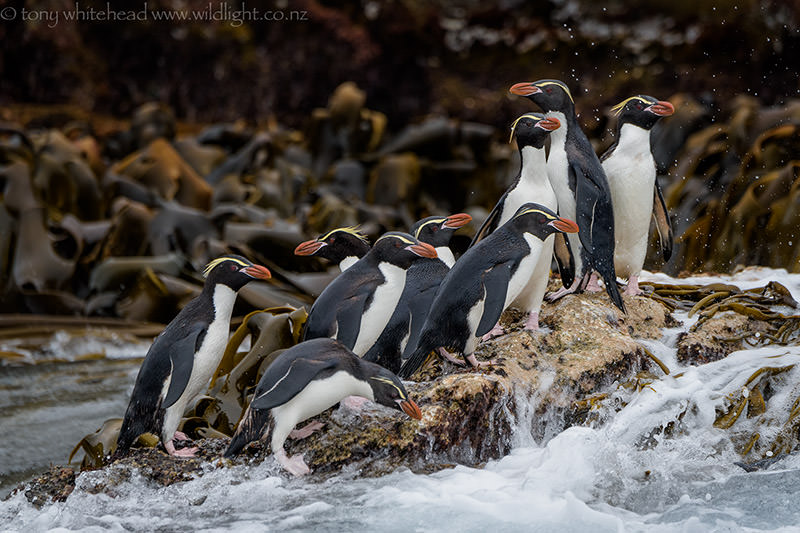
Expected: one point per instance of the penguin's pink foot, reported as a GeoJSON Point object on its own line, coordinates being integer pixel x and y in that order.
{"type": "Point", "coordinates": [532, 322]}
{"type": "Point", "coordinates": [308, 429]}
{"type": "Point", "coordinates": [593, 286]}
{"type": "Point", "coordinates": [294, 465]}
{"type": "Point", "coordinates": [632, 289]}
{"type": "Point", "coordinates": [180, 435]}
{"type": "Point", "coordinates": [560, 293]}
{"type": "Point", "coordinates": [450, 357]}
{"type": "Point", "coordinates": [183, 452]}
{"type": "Point", "coordinates": [477, 364]}
{"type": "Point", "coordinates": [353, 402]}
{"type": "Point", "coordinates": [496, 331]}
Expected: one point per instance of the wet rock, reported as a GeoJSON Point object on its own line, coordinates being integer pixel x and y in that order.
{"type": "Point", "coordinates": [718, 336]}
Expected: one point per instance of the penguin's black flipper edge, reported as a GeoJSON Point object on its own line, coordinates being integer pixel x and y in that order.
{"type": "Point", "coordinates": [181, 357]}
{"type": "Point", "coordinates": [297, 376]}
{"type": "Point", "coordinates": [564, 258]}
{"type": "Point", "coordinates": [495, 285]}
{"type": "Point", "coordinates": [663, 225]}
{"type": "Point", "coordinates": [491, 222]}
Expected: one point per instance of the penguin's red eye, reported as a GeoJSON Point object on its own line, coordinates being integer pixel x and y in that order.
{"type": "Point", "coordinates": [233, 267]}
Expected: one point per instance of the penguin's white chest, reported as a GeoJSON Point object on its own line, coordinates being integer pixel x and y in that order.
{"type": "Point", "coordinates": [533, 185]}
{"type": "Point", "coordinates": [631, 176]}
{"type": "Point", "coordinates": [558, 168]}
{"type": "Point", "coordinates": [383, 303]}
{"type": "Point", "coordinates": [207, 358]}
{"type": "Point", "coordinates": [347, 262]}
{"type": "Point", "coordinates": [524, 271]}
{"type": "Point", "coordinates": [445, 254]}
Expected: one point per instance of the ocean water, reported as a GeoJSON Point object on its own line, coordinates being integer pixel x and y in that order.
{"type": "Point", "coordinates": [621, 474]}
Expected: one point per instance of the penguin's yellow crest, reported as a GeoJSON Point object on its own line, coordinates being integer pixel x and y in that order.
{"type": "Point", "coordinates": [534, 210]}
{"type": "Point", "coordinates": [209, 267]}
{"type": "Point", "coordinates": [514, 125]}
{"type": "Point", "coordinates": [352, 230]}
{"type": "Point", "coordinates": [617, 109]}
{"type": "Point", "coordinates": [433, 221]}
{"type": "Point", "coordinates": [558, 84]}
{"type": "Point", "coordinates": [396, 236]}
{"type": "Point", "coordinates": [390, 382]}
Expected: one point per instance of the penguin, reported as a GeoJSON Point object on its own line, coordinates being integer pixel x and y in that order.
{"type": "Point", "coordinates": [184, 356]}
{"type": "Point", "coordinates": [581, 187]}
{"type": "Point", "coordinates": [304, 381]}
{"type": "Point", "coordinates": [343, 246]}
{"type": "Point", "coordinates": [483, 283]}
{"type": "Point", "coordinates": [530, 185]}
{"type": "Point", "coordinates": [356, 306]}
{"type": "Point", "coordinates": [422, 281]}
{"type": "Point", "coordinates": [630, 166]}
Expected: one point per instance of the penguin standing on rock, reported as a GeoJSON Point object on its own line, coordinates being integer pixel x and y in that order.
{"type": "Point", "coordinates": [530, 185]}
{"type": "Point", "coordinates": [582, 190]}
{"type": "Point", "coordinates": [356, 306]}
{"type": "Point", "coordinates": [343, 246]}
{"type": "Point", "coordinates": [304, 381]}
{"type": "Point", "coordinates": [631, 170]}
{"type": "Point", "coordinates": [185, 355]}
{"type": "Point", "coordinates": [400, 335]}
{"type": "Point", "coordinates": [483, 283]}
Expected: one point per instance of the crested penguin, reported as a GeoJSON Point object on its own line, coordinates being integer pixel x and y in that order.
{"type": "Point", "coordinates": [343, 246]}
{"type": "Point", "coordinates": [185, 355]}
{"type": "Point", "coordinates": [530, 185]}
{"type": "Point", "coordinates": [631, 170]}
{"type": "Point", "coordinates": [304, 381]}
{"type": "Point", "coordinates": [422, 281]}
{"type": "Point", "coordinates": [483, 283]}
{"type": "Point", "coordinates": [356, 306]}
{"type": "Point", "coordinates": [582, 190]}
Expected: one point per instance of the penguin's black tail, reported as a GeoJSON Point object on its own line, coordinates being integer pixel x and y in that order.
{"type": "Point", "coordinates": [415, 361]}
{"type": "Point", "coordinates": [138, 419]}
{"type": "Point", "coordinates": [610, 279]}
{"type": "Point", "coordinates": [251, 428]}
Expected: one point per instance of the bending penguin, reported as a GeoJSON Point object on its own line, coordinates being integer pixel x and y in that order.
{"type": "Point", "coordinates": [631, 170]}
{"type": "Point", "coordinates": [356, 306]}
{"type": "Point", "coordinates": [484, 282]}
{"type": "Point", "coordinates": [184, 356]}
{"type": "Point", "coordinates": [582, 190]}
{"type": "Point", "coordinates": [304, 381]}
{"type": "Point", "coordinates": [530, 185]}
{"type": "Point", "coordinates": [400, 335]}
{"type": "Point", "coordinates": [343, 246]}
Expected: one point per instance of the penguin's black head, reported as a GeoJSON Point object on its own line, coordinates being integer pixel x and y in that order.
{"type": "Point", "coordinates": [388, 390]}
{"type": "Point", "coordinates": [540, 221]}
{"type": "Point", "coordinates": [234, 271]}
{"type": "Point", "coordinates": [642, 110]}
{"type": "Point", "coordinates": [336, 245]}
{"type": "Point", "coordinates": [531, 129]}
{"type": "Point", "coordinates": [437, 230]}
{"type": "Point", "coordinates": [549, 95]}
{"type": "Point", "coordinates": [401, 249]}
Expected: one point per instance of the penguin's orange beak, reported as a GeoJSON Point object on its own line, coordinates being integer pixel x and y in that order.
{"type": "Point", "coordinates": [662, 108]}
{"type": "Point", "coordinates": [423, 249]}
{"type": "Point", "coordinates": [456, 221]}
{"type": "Point", "coordinates": [410, 408]}
{"type": "Point", "coordinates": [308, 247]}
{"type": "Point", "coordinates": [549, 124]}
{"type": "Point", "coordinates": [526, 88]}
{"type": "Point", "coordinates": [565, 225]}
{"type": "Point", "coordinates": [257, 271]}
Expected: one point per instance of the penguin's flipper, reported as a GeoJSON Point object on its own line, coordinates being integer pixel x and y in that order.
{"type": "Point", "coordinates": [181, 357]}
{"type": "Point", "coordinates": [418, 307]}
{"type": "Point", "coordinates": [348, 318]}
{"type": "Point", "coordinates": [564, 258]}
{"type": "Point", "coordinates": [495, 285]}
{"type": "Point", "coordinates": [299, 374]}
{"type": "Point", "coordinates": [661, 216]}
{"type": "Point", "coordinates": [491, 222]}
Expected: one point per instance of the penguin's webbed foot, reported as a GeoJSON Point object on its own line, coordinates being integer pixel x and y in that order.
{"type": "Point", "coordinates": [354, 402]}
{"type": "Point", "coordinates": [496, 331]}
{"type": "Point", "coordinates": [295, 464]}
{"type": "Point", "coordinates": [306, 430]}
{"type": "Point", "coordinates": [532, 322]}
{"type": "Point", "coordinates": [477, 364]}
{"type": "Point", "coordinates": [632, 289]}
{"type": "Point", "coordinates": [180, 435]}
{"type": "Point", "coordinates": [560, 293]}
{"type": "Point", "coordinates": [593, 285]}
{"type": "Point", "coordinates": [449, 356]}
{"type": "Point", "coordinates": [182, 452]}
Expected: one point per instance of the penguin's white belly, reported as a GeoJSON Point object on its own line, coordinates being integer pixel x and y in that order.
{"type": "Point", "coordinates": [473, 321]}
{"type": "Point", "coordinates": [347, 262]}
{"type": "Point", "coordinates": [445, 255]}
{"type": "Point", "coordinates": [381, 308]}
{"type": "Point", "coordinates": [531, 296]}
{"type": "Point", "coordinates": [631, 176]}
{"type": "Point", "coordinates": [520, 279]}
{"type": "Point", "coordinates": [317, 396]}
{"type": "Point", "coordinates": [523, 193]}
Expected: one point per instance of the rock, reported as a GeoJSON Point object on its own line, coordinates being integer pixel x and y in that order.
{"type": "Point", "coordinates": [717, 337]}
